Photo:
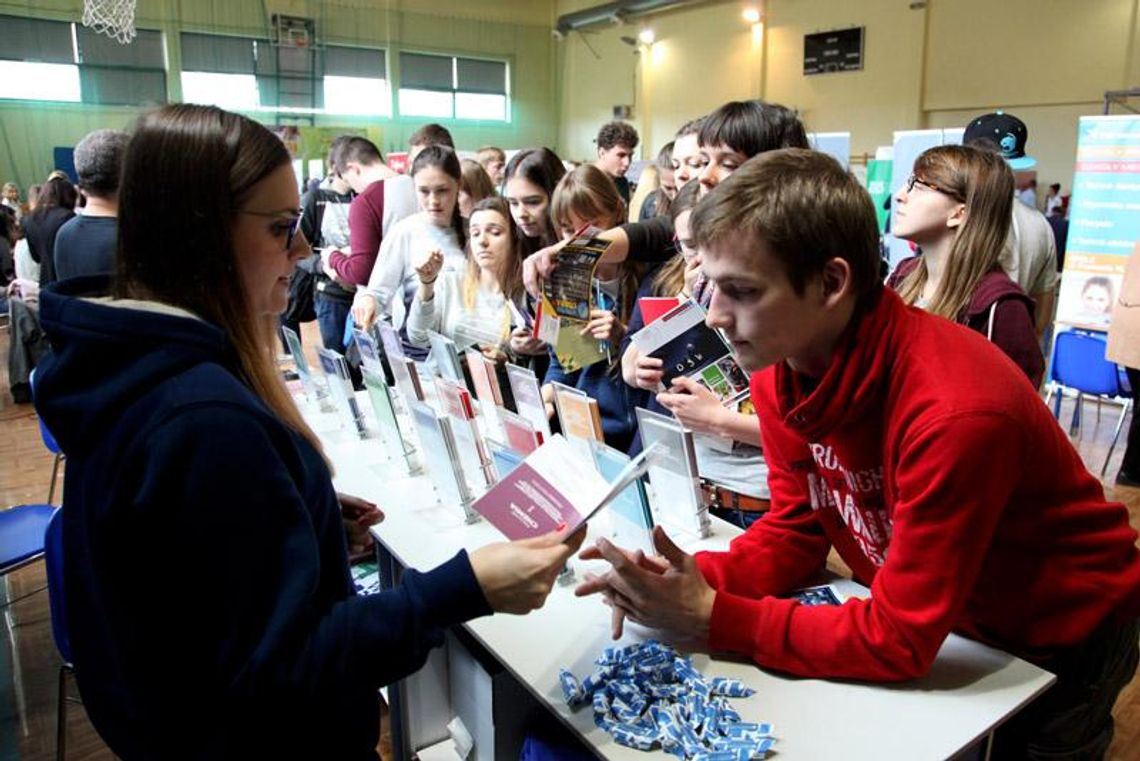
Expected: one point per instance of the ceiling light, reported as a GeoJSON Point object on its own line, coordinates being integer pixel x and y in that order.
{"type": "Point", "coordinates": [751, 15]}
{"type": "Point", "coordinates": [646, 36]}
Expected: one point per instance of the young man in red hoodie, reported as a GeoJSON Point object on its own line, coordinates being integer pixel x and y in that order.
{"type": "Point", "coordinates": [912, 446]}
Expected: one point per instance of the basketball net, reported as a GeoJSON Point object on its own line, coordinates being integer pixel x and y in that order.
{"type": "Point", "coordinates": [114, 18]}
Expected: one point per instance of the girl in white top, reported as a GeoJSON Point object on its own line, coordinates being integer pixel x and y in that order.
{"type": "Point", "coordinates": [469, 306]}
{"type": "Point", "coordinates": [436, 229]}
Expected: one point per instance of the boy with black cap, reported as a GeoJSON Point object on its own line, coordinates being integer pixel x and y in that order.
{"type": "Point", "coordinates": [1030, 258]}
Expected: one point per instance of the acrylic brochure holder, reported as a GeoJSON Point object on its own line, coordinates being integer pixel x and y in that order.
{"type": "Point", "coordinates": [455, 401]}
{"type": "Point", "coordinates": [528, 398]}
{"type": "Point", "coordinates": [315, 391]}
{"type": "Point", "coordinates": [391, 433]}
{"type": "Point", "coordinates": [631, 520]}
{"type": "Point", "coordinates": [673, 473]}
{"type": "Point", "coordinates": [441, 460]}
{"type": "Point", "coordinates": [340, 388]}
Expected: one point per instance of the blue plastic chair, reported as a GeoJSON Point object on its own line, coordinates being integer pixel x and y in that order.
{"type": "Point", "coordinates": [49, 442]}
{"type": "Point", "coordinates": [22, 535]}
{"type": "Point", "coordinates": [53, 561]}
{"type": "Point", "coordinates": [1079, 363]}
{"type": "Point", "coordinates": [53, 447]}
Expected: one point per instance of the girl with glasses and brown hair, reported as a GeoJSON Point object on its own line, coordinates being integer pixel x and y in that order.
{"type": "Point", "coordinates": [956, 208]}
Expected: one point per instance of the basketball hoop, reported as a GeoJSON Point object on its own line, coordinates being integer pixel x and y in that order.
{"type": "Point", "coordinates": [114, 18]}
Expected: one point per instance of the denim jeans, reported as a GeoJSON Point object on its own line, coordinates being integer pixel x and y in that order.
{"type": "Point", "coordinates": [332, 314]}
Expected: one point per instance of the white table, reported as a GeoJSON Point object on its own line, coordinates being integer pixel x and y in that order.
{"type": "Point", "coordinates": [971, 689]}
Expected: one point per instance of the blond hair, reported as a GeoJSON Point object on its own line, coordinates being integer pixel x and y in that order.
{"type": "Point", "coordinates": [983, 182]}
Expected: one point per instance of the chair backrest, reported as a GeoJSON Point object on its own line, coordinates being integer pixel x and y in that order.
{"type": "Point", "coordinates": [53, 560]}
{"type": "Point", "coordinates": [45, 434]}
{"type": "Point", "coordinates": [1079, 362]}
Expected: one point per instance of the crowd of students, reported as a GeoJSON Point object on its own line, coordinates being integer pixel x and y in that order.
{"type": "Point", "coordinates": [919, 449]}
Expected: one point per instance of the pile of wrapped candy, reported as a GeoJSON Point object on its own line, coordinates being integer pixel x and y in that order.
{"type": "Point", "coordinates": [646, 696]}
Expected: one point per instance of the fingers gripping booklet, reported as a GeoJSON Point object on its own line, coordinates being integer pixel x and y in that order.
{"type": "Point", "coordinates": [554, 489]}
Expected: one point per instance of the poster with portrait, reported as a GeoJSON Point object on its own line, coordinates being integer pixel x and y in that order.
{"type": "Point", "coordinates": [1104, 221]}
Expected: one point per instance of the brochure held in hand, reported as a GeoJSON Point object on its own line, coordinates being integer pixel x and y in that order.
{"type": "Point", "coordinates": [554, 489]}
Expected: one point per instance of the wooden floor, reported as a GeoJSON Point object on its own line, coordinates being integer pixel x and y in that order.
{"type": "Point", "coordinates": [25, 468]}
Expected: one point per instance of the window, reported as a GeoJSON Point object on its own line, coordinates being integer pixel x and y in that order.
{"type": "Point", "coordinates": [219, 71]}
{"type": "Point", "coordinates": [39, 81]}
{"type": "Point", "coordinates": [446, 87]}
{"type": "Point", "coordinates": [231, 91]}
{"type": "Point", "coordinates": [356, 81]}
{"type": "Point", "coordinates": [121, 75]}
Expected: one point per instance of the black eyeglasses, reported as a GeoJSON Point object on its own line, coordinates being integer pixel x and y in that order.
{"type": "Point", "coordinates": [294, 223]}
{"type": "Point", "coordinates": [914, 180]}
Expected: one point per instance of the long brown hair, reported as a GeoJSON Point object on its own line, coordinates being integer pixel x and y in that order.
{"type": "Point", "coordinates": [508, 273]}
{"type": "Point", "coordinates": [670, 277]}
{"type": "Point", "coordinates": [187, 170]}
{"type": "Point", "coordinates": [984, 183]}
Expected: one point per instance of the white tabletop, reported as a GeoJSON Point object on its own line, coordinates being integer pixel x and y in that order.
{"type": "Point", "coordinates": [971, 688]}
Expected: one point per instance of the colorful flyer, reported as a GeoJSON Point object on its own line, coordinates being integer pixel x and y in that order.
{"type": "Point", "coordinates": [1104, 219]}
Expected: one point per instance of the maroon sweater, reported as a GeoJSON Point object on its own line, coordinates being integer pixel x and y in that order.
{"type": "Point", "coordinates": [1013, 331]}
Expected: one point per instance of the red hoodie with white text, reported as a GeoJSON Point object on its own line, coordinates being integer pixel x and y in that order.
{"type": "Point", "coordinates": [941, 478]}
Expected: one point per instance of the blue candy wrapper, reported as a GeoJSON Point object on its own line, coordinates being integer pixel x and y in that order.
{"type": "Point", "coordinates": [647, 696]}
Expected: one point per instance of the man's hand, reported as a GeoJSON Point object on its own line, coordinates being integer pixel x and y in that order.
{"type": "Point", "coordinates": [516, 577]}
{"type": "Point", "coordinates": [668, 593]}
{"type": "Point", "coordinates": [695, 406]}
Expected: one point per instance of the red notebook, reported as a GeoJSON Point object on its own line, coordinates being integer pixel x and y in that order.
{"type": "Point", "coordinates": [652, 307]}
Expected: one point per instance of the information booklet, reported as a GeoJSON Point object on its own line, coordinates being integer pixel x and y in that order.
{"type": "Point", "coordinates": [455, 400]}
{"type": "Point", "coordinates": [631, 520]}
{"type": "Point", "coordinates": [528, 398]}
{"type": "Point", "coordinates": [485, 383]}
{"type": "Point", "coordinates": [383, 403]}
{"type": "Point", "coordinates": [554, 489]}
{"type": "Point", "coordinates": [519, 433]}
{"type": "Point", "coordinates": [504, 459]}
{"type": "Point", "coordinates": [315, 391]}
{"type": "Point", "coordinates": [404, 371]}
{"type": "Point", "coordinates": [689, 347]}
{"type": "Point", "coordinates": [673, 473]}
{"type": "Point", "coordinates": [442, 460]}
{"type": "Point", "coordinates": [445, 355]}
{"type": "Point", "coordinates": [578, 414]}
{"type": "Point", "coordinates": [340, 387]}
{"type": "Point", "coordinates": [568, 295]}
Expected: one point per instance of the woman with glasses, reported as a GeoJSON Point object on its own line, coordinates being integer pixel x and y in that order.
{"type": "Point", "coordinates": [210, 607]}
{"type": "Point", "coordinates": [956, 208]}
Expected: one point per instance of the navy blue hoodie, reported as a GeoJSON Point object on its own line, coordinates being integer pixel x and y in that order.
{"type": "Point", "coordinates": [210, 606]}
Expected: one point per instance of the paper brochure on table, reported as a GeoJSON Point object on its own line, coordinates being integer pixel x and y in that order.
{"type": "Point", "coordinates": [553, 489]}
{"type": "Point", "coordinates": [528, 398]}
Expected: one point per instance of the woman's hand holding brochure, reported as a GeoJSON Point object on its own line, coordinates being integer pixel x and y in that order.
{"type": "Point", "coordinates": [517, 576]}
